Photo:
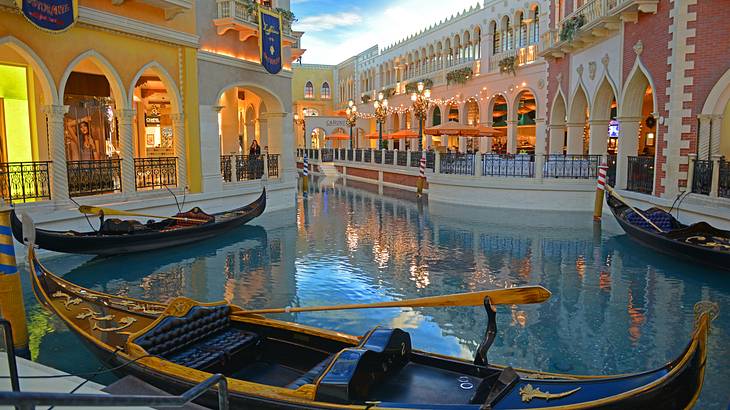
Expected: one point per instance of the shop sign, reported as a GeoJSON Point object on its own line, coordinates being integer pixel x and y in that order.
{"type": "Point", "coordinates": [50, 15]}
{"type": "Point", "coordinates": [270, 40]}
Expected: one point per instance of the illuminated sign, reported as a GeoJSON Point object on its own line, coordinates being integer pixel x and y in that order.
{"type": "Point", "coordinates": [50, 15]}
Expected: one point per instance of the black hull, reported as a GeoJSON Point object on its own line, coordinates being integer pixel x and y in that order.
{"type": "Point", "coordinates": [667, 245]}
{"type": "Point", "coordinates": [104, 245]}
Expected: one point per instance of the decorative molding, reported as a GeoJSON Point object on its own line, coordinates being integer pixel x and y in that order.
{"type": "Point", "coordinates": [639, 48]}
{"type": "Point", "coordinates": [605, 60]}
{"type": "Point", "coordinates": [212, 57]}
{"type": "Point", "coordinates": [111, 21]}
{"type": "Point", "coordinates": [592, 70]}
{"type": "Point", "coordinates": [579, 70]}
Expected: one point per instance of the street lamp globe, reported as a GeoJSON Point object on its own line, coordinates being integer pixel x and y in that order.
{"type": "Point", "coordinates": [414, 97]}
{"type": "Point", "coordinates": [427, 93]}
{"type": "Point", "coordinates": [350, 103]}
{"type": "Point", "coordinates": [385, 103]}
{"type": "Point", "coordinates": [420, 86]}
{"type": "Point", "coordinates": [380, 96]}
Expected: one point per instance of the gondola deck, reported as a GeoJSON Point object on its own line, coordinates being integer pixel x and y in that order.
{"type": "Point", "coordinates": [277, 364]}
{"type": "Point", "coordinates": [157, 235]}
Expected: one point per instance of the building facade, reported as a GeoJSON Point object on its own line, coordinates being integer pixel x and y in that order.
{"type": "Point", "coordinates": [641, 84]}
{"type": "Point", "coordinates": [138, 97]}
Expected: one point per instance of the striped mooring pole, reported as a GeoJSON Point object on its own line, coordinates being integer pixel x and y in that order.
{"type": "Point", "coordinates": [12, 307]}
{"type": "Point", "coordinates": [305, 174]}
{"type": "Point", "coordinates": [600, 188]}
{"type": "Point", "coordinates": [422, 175]}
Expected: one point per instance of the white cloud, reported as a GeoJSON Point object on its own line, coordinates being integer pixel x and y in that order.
{"type": "Point", "coordinates": [333, 38]}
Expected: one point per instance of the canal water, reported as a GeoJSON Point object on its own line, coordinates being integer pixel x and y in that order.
{"type": "Point", "coordinates": [615, 307]}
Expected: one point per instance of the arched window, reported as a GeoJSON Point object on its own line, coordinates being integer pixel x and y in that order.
{"type": "Point", "coordinates": [523, 32]}
{"type": "Point", "coordinates": [508, 36]}
{"type": "Point", "coordinates": [496, 43]}
{"type": "Point", "coordinates": [536, 26]}
{"type": "Point", "coordinates": [325, 93]}
{"type": "Point", "coordinates": [309, 90]}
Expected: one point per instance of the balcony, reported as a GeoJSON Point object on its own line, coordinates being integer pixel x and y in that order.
{"type": "Point", "coordinates": [238, 15]}
{"type": "Point", "coordinates": [524, 55]}
{"type": "Point", "coordinates": [590, 23]}
{"type": "Point", "coordinates": [171, 8]}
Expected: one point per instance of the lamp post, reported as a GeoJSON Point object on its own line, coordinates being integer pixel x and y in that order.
{"type": "Point", "coordinates": [300, 121]}
{"type": "Point", "coordinates": [381, 112]}
{"type": "Point", "coordinates": [351, 119]}
{"type": "Point", "coordinates": [420, 108]}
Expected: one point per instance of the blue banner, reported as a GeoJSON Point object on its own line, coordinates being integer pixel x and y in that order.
{"type": "Point", "coordinates": [50, 15]}
{"type": "Point", "coordinates": [270, 40]}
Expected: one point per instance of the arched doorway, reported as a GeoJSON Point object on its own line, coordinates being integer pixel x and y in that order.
{"type": "Point", "coordinates": [318, 138]}
{"type": "Point", "coordinates": [524, 112]}
{"type": "Point", "coordinates": [498, 116]}
{"type": "Point", "coordinates": [603, 123]}
{"type": "Point", "coordinates": [578, 132]}
{"type": "Point", "coordinates": [472, 118]}
{"type": "Point", "coordinates": [637, 135]}
{"type": "Point", "coordinates": [94, 147]}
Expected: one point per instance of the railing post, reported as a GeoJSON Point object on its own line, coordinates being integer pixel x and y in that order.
{"type": "Point", "coordinates": [539, 166]}
{"type": "Point", "coordinates": [59, 171]}
{"type": "Point", "coordinates": [437, 163]}
{"type": "Point", "coordinates": [265, 175]}
{"type": "Point", "coordinates": [691, 158]}
{"type": "Point", "coordinates": [125, 118]}
{"type": "Point", "coordinates": [178, 133]}
{"type": "Point", "coordinates": [478, 164]}
{"type": "Point", "coordinates": [715, 187]}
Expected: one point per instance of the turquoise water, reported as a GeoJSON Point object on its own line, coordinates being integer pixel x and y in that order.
{"type": "Point", "coordinates": [616, 307]}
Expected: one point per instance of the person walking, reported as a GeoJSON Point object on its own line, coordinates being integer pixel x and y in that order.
{"type": "Point", "coordinates": [254, 158]}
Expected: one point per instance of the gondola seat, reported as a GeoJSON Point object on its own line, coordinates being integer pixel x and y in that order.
{"type": "Point", "coordinates": [202, 338]}
{"type": "Point", "coordinates": [664, 220]}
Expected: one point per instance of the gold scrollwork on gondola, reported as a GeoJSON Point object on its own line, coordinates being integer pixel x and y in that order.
{"type": "Point", "coordinates": [95, 316]}
{"type": "Point", "coordinates": [705, 306]}
{"type": "Point", "coordinates": [527, 393]}
{"type": "Point", "coordinates": [69, 300]}
{"type": "Point", "coordinates": [125, 322]}
{"type": "Point", "coordinates": [545, 376]}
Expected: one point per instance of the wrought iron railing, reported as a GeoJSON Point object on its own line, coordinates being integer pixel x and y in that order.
{"type": "Point", "coordinates": [94, 177]}
{"type": "Point", "coordinates": [611, 171]}
{"type": "Point", "coordinates": [702, 177]}
{"type": "Point", "coordinates": [723, 187]}
{"type": "Point", "coordinates": [155, 173]}
{"type": "Point", "coordinates": [457, 164]}
{"type": "Point", "coordinates": [378, 156]}
{"type": "Point", "coordinates": [226, 168]}
{"type": "Point", "coordinates": [25, 181]}
{"type": "Point", "coordinates": [521, 165]}
{"type": "Point", "coordinates": [640, 174]}
{"type": "Point", "coordinates": [350, 154]}
{"type": "Point", "coordinates": [389, 157]}
{"type": "Point", "coordinates": [327, 154]}
{"type": "Point", "coordinates": [572, 166]}
{"type": "Point", "coordinates": [273, 164]}
{"type": "Point", "coordinates": [367, 156]}
{"type": "Point", "coordinates": [402, 159]}
{"type": "Point", "coordinates": [249, 167]}
{"type": "Point", "coordinates": [313, 153]}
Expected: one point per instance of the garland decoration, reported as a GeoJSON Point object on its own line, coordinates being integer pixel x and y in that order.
{"type": "Point", "coordinates": [508, 65]}
{"type": "Point", "coordinates": [365, 99]}
{"type": "Point", "coordinates": [460, 76]}
{"type": "Point", "coordinates": [412, 87]}
{"type": "Point", "coordinates": [571, 26]}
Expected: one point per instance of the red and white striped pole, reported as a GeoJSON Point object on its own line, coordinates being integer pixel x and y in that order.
{"type": "Point", "coordinates": [600, 190]}
{"type": "Point", "coordinates": [422, 174]}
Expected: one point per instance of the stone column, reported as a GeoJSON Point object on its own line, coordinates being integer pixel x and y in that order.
{"type": "Point", "coordinates": [178, 132]}
{"type": "Point", "coordinates": [59, 173]}
{"type": "Point", "coordinates": [628, 145]}
{"type": "Point", "coordinates": [716, 126]}
{"type": "Point", "coordinates": [210, 149]}
{"type": "Point", "coordinates": [511, 136]}
{"type": "Point", "coordinates": [540, 146]}
{"type": "Point", "coordinates": [229, 126]}
{"type": "Point", "coordinates": [704, 137]}
{"type": "Point", "coordinates": [280, 139]}
{"type": "Point", "coordinates": [125, 118]}
{"type": "Point", "coordinates": [437, 163]}
{"type": "Point", "coordinates": [575, 138]}
{"type": "Point", "coordinates": [691, 158]}
{"type": "Point", "coordinates": [557, 138]}
{"type": "Point", "coordinates": [598, 143]}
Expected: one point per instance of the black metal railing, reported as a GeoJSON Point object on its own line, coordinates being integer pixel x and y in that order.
{"type": "Point", "coordinates": [367, 156]}
{"type": "Point", "coordinates": [402, 158]}
{"type": "Point", "coordinates": [94, 177]}
{"type": "Point", "coordinates": [10, 350]}
{"type": "Point", "coordinates": [378, 156]}
{"type": "Point", "coordinates": [155, 173]}
{"type": "Point", "coordinates": [249, 167]}
{"type": "Point", "coordinates": [343, 154]}
{"type": "Point", "coordinates": [457, 164]}
{"type": "Point", "coordinates": [226, 168]}
{"type": "Point", "coordinates": [520, 165]}
{"type": "Point", "coordinates": [723, 187]}
{"type": "Point", "coordinates": [702, 177]}
{"type": "Point", "coordinates": [640, 176]}
{"type": "Point", "coordinates": [389, 157]}
{"type": "Point", "coordinates": [572, 166]}
{"type": "Point", "coordinates": [273, 164]}
{"type": "Point", "coordinates": [350, 154]}
{"type": "Point", "coordinates": [611, 171]}
{"type": "Point", "coordinates": [313, 153]}
{"type": "Point", "coordinates": [25, 181]}
{"type": "Point", "coordinates": [415, 161]}
{"type": "Point", "coordinates": [326, 154]}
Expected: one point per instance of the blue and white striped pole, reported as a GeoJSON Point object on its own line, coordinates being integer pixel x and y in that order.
{"type": "Point", "coordinates": [12, 307]}
{"type": "Point", "coordinates": [305, 174]}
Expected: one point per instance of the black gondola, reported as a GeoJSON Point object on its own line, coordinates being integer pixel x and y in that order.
{"type": "Point", "coordinates": [700, 242]}
{"type": "Point", "coordinates": [281, 365]}
{"type": "Point", "coordinates": [142, 237]}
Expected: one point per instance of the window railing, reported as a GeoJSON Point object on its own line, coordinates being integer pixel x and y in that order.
{"type": "Point", "coordinates": [702, 177]}
{"type": "Point", "coordinates": [457, 164]}
{"type": "Point", "coordinates": [273, 165]}
{"type": "Point", "coordinates": [640, 174]}
{"type": "Point", "coordinates": [723, 187]}
{"type": "Point", "coordinates": [249, 167]}
{"type": "Point", "coordinates": [226, 172]}
{"type": "Point", "coordinates": [402, 159]}
{"type": "Point", "coordinates": [237, 9]}
{"type": "Point", "coordinates": [155, 173]}
{"type": "Point", "coordinates": [572, 166]}
{"type": "Point", "coordinates": [25, 181]}
{"type": "Point", "coordinates": [521, 165]}
{"type": "Point", "coordinates": [523, 55]}
{"type": "Point", "coordinates": [94, 177]}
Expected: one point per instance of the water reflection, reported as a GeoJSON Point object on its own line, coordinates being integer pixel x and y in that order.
{"type": "Point", "coordinates": [615, 307]}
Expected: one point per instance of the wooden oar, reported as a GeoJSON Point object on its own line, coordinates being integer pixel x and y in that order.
{"type": "Point", "coordinates": [622, 199]}
{"type": "Point", "coordinates": [511, 296]}
{"type": "Point", "coordinates": [96, 210]}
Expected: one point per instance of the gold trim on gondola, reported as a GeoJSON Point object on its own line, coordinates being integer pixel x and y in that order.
{"type": "Point", "coordinates": [69, 300]}
{"type": "Point", "coordinates": [96, 316]}
{"type": "Point", "coordinates": [125, 323]}
{"type": "Point", "coordinates": [527, 393]}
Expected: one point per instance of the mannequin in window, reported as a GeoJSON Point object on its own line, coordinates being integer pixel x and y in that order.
{"type": "Point", "coordinates": [88, 146]}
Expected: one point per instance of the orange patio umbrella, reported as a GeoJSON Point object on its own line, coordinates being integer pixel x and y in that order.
{"type": "Point", "coordinates": [485, 131]}
{"type": "Point", "coordinates": [337, 136]}
{"type": "Point", "coordinates": [404, 134]}
{"type": "Point", "coordinates": [454, 129]}
{"type": "Point", "coordinates": [374, 136]}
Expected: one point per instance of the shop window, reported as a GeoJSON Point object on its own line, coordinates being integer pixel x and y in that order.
{"type": "Point", "coordinates": [15, 135]}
